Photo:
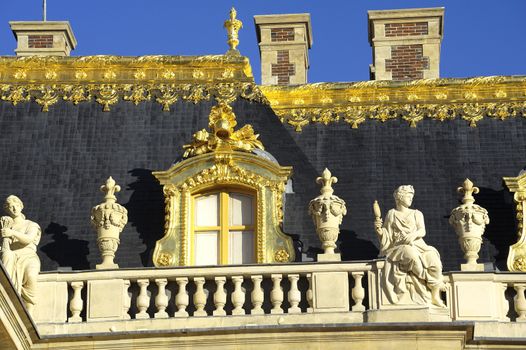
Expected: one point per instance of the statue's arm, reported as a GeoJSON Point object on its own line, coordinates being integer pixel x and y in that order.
{"type": "Point", "coordinates": [28, 236]}
{"type": "Point", "coordinates": [420, 226]}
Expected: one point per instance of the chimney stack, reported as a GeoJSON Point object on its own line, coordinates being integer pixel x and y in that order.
{"type": "Point", "coordinates": [406, 43]}
{"type": "Point", "coordinates": [43, 38]}
{"type": "Point", "coordinates": [284, 42]}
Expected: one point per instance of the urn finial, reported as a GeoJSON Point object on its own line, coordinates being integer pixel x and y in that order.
{"type": "Point", "coordinates": [233, 25]}
{"type": "Point", "coordinates": [326, 180]}
{"type": "Point", "coordinates": [467, 189]}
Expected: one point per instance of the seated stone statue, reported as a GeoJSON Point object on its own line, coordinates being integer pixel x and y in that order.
{"type": "Point", "coordinates": [413, 270]}
{"type": "Point", "coordinates": [20, 239]}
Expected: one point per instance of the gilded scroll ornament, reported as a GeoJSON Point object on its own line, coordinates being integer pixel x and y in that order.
{"type": "Point", "coordinates": [281, 256]}
{"type": "Point", "coordinates": [517, 254]}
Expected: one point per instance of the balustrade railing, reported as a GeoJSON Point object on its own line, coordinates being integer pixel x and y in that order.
{"type": "Point", "coordinates": [208, 291]}
{"type": "Point", "coordinates": [255, 290]}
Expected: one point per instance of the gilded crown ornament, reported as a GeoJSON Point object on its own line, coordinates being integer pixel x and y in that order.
{"type": "Point", "coordinates": [469, 221]}
{"type": "Point", "coordinates": [222, 136]}
{"type": "Point", "coordinates": [109, 219]}
{"type": "Point", "coordinates": [233, 25]}
{"type": "Point", "coordinates": [327, 211]}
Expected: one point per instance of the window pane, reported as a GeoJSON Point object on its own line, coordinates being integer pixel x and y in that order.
{"type": "Point", "coordinates": [206, 248]}
{"type": "Point", "coordinates": [241, 247]}
{"type": "Point", "coordinates": [207, 210]}
{"type": "Point", "coordinates": [240, 209]}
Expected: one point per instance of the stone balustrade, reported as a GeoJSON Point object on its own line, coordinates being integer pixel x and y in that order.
{"type": "Point", "coordinates": [94, 301]}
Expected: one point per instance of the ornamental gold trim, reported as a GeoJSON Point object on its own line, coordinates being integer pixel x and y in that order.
{"type": "Point", "coordinates": [471, 100]}
{"type": "Point", "coordinates": [109, 79]}
{"type": "Point", "coordinates": [219, 169]}
{"type": "Point", "coordinates": [517, 253]}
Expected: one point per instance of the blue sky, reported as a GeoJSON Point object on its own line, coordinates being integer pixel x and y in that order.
{"type": "Point", "coordinates": [480, 37]}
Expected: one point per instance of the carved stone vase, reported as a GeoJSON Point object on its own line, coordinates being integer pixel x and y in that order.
{"type": "Point", "coordinates": [108, 219]}
{"type": "Point", "coordinates": [327, 211]}
{"type": "Point", "coordinates": [469, 221]}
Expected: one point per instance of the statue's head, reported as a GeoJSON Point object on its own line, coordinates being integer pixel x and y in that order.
{"type": "Point", "coordinates": [404, 195]}
{"type": "Point", "coordinates": [13, 206]}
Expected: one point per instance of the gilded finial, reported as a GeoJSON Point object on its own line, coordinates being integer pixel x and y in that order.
{"type": "Point", "coordinates": [110, 188]}
{"type": "Point", "coordinates": [222, 135]}
{"type": "Point", "coordinates": [326, 180]}
{"type": "Point", "coordinates": [233, 25]}
{"type": "Point", "coordinates": [467, 190]}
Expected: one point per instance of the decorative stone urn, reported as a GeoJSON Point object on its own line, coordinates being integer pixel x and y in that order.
{"type": "Point", "coordinates": [327, 211]}
{"type": "Point", "coordinates": [109, 218]}
{"type": "Point", "coordinates": [469, 221]}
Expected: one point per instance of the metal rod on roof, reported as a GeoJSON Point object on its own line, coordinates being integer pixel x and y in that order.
{"type": "Point", "coordinates": [44, 9]}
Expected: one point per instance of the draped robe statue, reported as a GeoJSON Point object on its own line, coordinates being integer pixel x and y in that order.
{"type": "Point", "coordinates": [413, 270]}
{"type": "Point", "coordinates": [20, 239]}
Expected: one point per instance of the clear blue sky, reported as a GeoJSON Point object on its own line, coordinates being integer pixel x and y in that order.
{"type": "Point", "coordinates": [480, 37]}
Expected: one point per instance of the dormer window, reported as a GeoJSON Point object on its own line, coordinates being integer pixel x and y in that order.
{"type": "Point", "coordinates": [223, 228]}
{"type": "Point", "coordinates": [224, 203]}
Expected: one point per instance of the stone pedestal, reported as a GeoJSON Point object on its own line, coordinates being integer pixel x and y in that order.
{"type": "Point", "coordinates": [329, 257]}
{"type": "Point", "coordinates": [330, 291]}
{"type": "Point", "coordinates": [52, 302]}
{"type": "Point", "coordinates": [408, 313]}
{"type": "Point", "coordinates": [106, 300]}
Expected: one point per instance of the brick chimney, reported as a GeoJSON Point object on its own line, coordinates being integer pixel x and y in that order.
{"type": "Point", "coordinates": [43, 38]}
{"type": "Point", "coordinates": [284, 43]}
{"type": "Point", "coordinates": [406, 43]}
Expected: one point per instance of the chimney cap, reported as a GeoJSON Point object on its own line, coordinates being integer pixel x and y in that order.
{"type": "Point", "coordinates": [401, 14]}
{"type": "Point", "coordinates": [289, 18]}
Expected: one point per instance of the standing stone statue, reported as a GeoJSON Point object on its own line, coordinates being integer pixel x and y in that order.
{"type": "Point", "coordinates": [19, 250]}
{"type": "Point", "coordinates": [412, 272]}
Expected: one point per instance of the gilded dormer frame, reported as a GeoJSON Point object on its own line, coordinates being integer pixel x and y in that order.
{"type": "Point", "coordinates": [218, 158]}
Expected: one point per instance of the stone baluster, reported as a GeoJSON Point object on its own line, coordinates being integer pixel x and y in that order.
{"type": "Point", "coordinates": [238, 296]}
{"type": "Point", "coordinates": [76, 304]}
{"type": "Point", "coordinates": [199, 297]}
{"type": "Point", "coordinates": [276, 295]}
{"type": "Point", "coordinates": [520, 302]}
{"type": "Point", "coordinates": [257, 296]}
{"type": "Point", "coordinates": [143, 299]}
{"type": "Point", "coordinates": [161, 300]}
{"type": "Point", "coordinates": [294, 295]}
{"type": "Point", "coordinates": [220, 297]}
{"type": "Point", "coordinates": [358, 293]}
{"type": "Point", "coordinates": [126, 300]}
{"type": "Point", "coordinates": [310, 309]}
{"type": "Point", "coordinates": [181, 299]}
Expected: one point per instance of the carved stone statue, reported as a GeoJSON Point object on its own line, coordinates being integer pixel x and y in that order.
{"type": "Point", "coordinates": [19, 250]}
{"type": "Point", "coordinates": [327, 211]}
{"type": "Point", "coordinates": [413, 271]}
{"type": "Point", "coordinates": [469, 221]}
{"type": "Point", "coordinates": [108, 219]}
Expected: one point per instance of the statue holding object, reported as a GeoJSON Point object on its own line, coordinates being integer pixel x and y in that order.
{"type": "Point", "coordinates": [412, 272]}
{"type": "Point", "coordinates": [20, 238]}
